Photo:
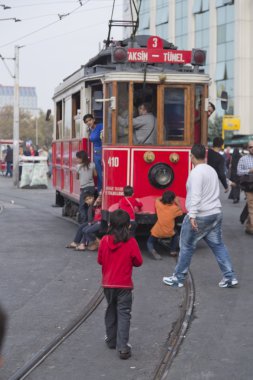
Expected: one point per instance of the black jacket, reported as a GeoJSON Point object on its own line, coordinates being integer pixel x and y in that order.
{"type": "Point", "coordinates": [216, 160]}
{"type": "Point", "coordinates": [9, 155]}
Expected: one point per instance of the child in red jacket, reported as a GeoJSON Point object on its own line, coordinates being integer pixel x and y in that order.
{"type": "Point", "coordinates": [130, 204]}
{"type": "Point", "coordinates": [118, 253]}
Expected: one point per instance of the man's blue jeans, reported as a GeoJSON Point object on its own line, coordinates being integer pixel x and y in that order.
{"type": "Point", "coordinates": [209, 229]}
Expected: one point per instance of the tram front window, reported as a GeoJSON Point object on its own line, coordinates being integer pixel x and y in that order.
{"type": "Point", "coordinates": [108, 116]}
{"type": "Point", "coordinates": [174, 115]}
{"type": "Point", "coordinates": [122, 113]}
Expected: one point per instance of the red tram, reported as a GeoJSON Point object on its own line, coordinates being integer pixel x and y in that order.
{"type": "Point", "coordinates": [111, 86]}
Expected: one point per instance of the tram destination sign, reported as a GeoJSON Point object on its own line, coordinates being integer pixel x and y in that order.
{"type": "Point", "coordinates": [154, 53]}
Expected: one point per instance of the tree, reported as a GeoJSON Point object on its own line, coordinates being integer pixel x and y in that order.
{"type": "Point", "coordinates": [27, 126]}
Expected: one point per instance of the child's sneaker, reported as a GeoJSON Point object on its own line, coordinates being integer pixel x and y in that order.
{"type": "Point", "coordinates": [172, 281]}
{"type": "Point", "coordinates": [155, 254]}
{"type": "Point", "coordinates": [228, 282]}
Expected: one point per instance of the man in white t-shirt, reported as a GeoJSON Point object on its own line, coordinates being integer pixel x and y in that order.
{"type": "Point", "coordinates": [203, 221]}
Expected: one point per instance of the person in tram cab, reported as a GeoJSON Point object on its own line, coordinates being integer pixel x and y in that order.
{"type": "Point", "coordinates": [130, 204]}
{"type": "Point", "coordinates": [86, 171]}
{"type": "Point", "coordinates": [95, 137]}
{"type": "Point", "coordinates": [144, 125]}
{"type": "Point", "coordinates": [167, 210]}
{"type": "Point", "coordinates": [118, 253]}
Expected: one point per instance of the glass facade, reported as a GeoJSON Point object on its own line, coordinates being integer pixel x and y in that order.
{"type": "Point", "coordinates": [225, 53]}
{"type": "Point", "coordinates": [202, 32]}
{"type": "Point", "coordinates": [162, 19]}
{"type": "Point", "coordinates": [181, 24]}
{"type": "Point", "coordinates": [224, 74]}
{"type": "Point", "coordinates": [144, 21]}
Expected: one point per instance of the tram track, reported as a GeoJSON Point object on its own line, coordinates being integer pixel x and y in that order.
{"type": "Point", "coordinates": [176, 335]}
{"type": "Point", "coordinates": [38, 358]}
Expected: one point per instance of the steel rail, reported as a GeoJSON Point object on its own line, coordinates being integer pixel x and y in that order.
{"type": "Point", "coordinates": [27, 368]}
{"type": "Point", "coordinates": [177, 334]}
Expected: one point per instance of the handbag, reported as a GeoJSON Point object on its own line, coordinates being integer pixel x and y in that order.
{"type": "Point", "coordinates": [244, 214]}
{"type": "Point", "coordinates": [246, 182]}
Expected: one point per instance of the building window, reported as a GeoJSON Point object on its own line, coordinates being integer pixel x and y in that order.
{"type": "Point", "coordinates": [181, 24]}
{"type": "Point", "coordinates": [225, 51]}
{"type": "Point", "coordinates": [200, 6]}
{"type": "Point", "coordinates": [144, 20]}
{"type": "Point", "coordinates": [221, 3]}
{"type": "Point", "coordinates": [162, 18]}
{"type": "Point", "coordinates": [220, 71]}
{"type": "Point", "coordinates": [202, 32]}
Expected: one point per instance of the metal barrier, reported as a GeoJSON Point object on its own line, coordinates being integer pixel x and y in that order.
{"type": "Point", "coordinates": [34, 172]}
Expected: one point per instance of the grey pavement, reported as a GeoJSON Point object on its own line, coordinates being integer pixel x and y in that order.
{"type": "Point", "coordinates": [44, 286]}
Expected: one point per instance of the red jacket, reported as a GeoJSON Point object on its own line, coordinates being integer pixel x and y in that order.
{"type": "Point", "coordinates": [129, 204]}
{"type": "Point", "coordinates": [117, 262]}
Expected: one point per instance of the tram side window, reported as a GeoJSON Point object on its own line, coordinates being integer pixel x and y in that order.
{"type": "Point", "coordinates": [122, 113]}
{"type": "Point", "coordinates": [58, 134]}
{"type": "Point", "coordinates": [67, 119]}
{"type": "Point", "coordinates": [76, 116]}
{"type": "Point", "coordinates": [174, 114]}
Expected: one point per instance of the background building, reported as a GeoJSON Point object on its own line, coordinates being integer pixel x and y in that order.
{"type": "Point", "coordinates": [224, 28]}
{"type": "Point", "coordinates": [27, 98]}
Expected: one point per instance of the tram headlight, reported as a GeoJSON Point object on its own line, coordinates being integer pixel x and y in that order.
{"type": "Point", "coordinates": [198, 57]}
{"type": "Point", "coordinates": [161, 175]}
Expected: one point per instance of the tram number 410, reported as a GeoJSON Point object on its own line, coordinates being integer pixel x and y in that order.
{"type": "Point", "coordinates": [113, 162]}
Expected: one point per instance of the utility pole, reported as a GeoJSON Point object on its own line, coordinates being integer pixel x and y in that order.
{"type": "Point", "coordinates": [16, 120]}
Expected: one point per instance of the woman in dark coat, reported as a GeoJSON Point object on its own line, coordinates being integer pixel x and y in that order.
{"type": "Point", "coordinates": [234, 178]}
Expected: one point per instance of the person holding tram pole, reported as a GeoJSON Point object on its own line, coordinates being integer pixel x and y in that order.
{"type": "Point", "coordinates": [95, 137]}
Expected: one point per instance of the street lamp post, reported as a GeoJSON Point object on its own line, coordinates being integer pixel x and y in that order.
{"type": "Point", "coordinates": [16, 121]}
{"type": "Point", "coordinates": [36, 132]}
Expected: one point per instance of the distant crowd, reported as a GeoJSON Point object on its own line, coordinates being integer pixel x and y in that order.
{"type": "Point", "coordinates": [28, 151]}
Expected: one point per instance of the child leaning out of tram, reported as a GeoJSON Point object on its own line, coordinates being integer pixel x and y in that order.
{"type": "Point", "coordinates": [118, 253]}
{"type": "Point", "coordinates": [129, 204]}
{"type": "Point", "coordinates": [85, 236]}
{"type": "Point", "coordinates": [167, 209]}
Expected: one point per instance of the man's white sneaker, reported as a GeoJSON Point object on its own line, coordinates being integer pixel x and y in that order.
{"type": "Point", "coordinates": [228, 282]}
{"type": "Point", "coordinates": [172, 281]}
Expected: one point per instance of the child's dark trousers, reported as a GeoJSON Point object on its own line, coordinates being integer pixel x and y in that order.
{"type": "Point", "coordinates": [117, 316]}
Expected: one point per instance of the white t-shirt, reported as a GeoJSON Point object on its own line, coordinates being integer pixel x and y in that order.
{"type": "Point", "coordinates": [203, 191]}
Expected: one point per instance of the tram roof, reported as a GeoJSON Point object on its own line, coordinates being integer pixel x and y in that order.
{"type": "Point", "coordinates": [102, 64]}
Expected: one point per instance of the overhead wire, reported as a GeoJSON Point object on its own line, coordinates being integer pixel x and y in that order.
{"type": "Point", "coordinates": [45, 26]}
{"type": "Point", "coordinates": [66, 33]}
{"type": "Point", "coordinates": [50, 3]}
{"type": "Point", "coordinates": [81, 11]}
